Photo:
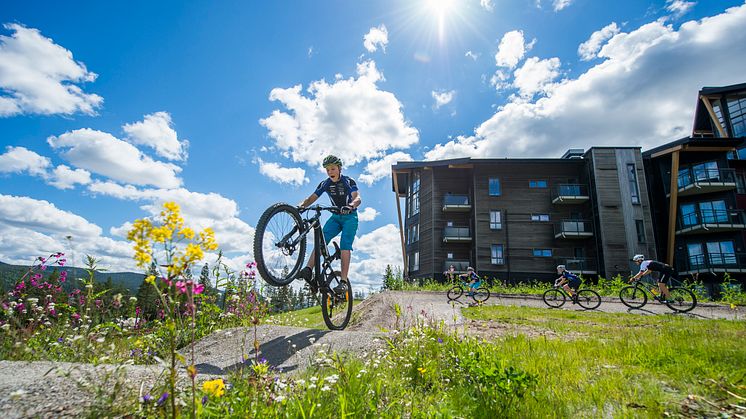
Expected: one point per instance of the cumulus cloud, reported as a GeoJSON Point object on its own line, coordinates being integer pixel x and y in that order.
{"type": "Point", "coordinates": [376, 37]}
{"type": "Point", "coordinates": [487, 5]}
{"type": "Point", "coordinates": [536, 76]}
{"type": "Point", "coordinates": [156, 131]}
{"type": "Point", "coordinates": [290, 175]}
{"type": "Point", "coordinates": [443, 98]}
{"type": "Point", "coordinates": [679, 7]}
{"type": "Point", "coordinates": [641, 94]}
{"type": "Point", "coordinates": [382, 247]}
{"type": "Point", "coordinates": [102, 153]}
{"type": "Point", "coordinates": [511, 50]}
{"type": "Point", "coordinates": [376, 170]}
{"type": "Point", "coordinates": [368, 214]}
{"type": "Point", "coordinates": [38, 76]}
{"type": "Point", "coordinates": [21, 159]}
{"type": "Point", "coordinates": [560, 4]}
{"type": "Point", "coordinates": [63, 177]}
{"type": "Point", "coordinates": [472, 55]}
{"type": "Point", "coordinates": [351, 118]}
{"type": "Point", "coordinates": [43, 216]}
{"type": "Point", "coordinates": [588, 49]}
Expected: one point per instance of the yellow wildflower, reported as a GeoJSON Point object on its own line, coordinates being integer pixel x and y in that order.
{"type": "Point", "coordinates": [207, 240]}
{"type": "Point", "coordinates": [186, 233]}
{"type": "Point", "coordinates": [150, 279]}
{"type": "Point", "coordinates": [214, 387]}
{"type": "Point", "coordinates": [422, 370]}
{"type": "Point", "coordinates": [193, 253]}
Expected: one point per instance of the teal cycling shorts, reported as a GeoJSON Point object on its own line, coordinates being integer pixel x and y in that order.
{"type": "Point", "coordinates": [344, 223]}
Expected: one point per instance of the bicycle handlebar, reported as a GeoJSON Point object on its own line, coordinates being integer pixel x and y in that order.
{"type": "Point", "coordinates": [319, 208]}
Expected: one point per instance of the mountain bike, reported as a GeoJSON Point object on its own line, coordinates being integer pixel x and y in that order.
{"type": "Point", "coordinates": [280, 249]}
{"type": "Point", "coordinates": [477, 292]}
{"type": "Point", "coordinates": [680, 298]}
{"type": "Point", "coordinates": [555, 297]}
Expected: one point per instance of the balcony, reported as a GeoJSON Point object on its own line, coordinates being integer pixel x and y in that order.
{"type": "Point", "coordinates": [694, 181]}
{"type": "Point", "coordinates": [456, 203]}
{"type": "Point", "coordinates": [459, 264]}
{"type": "Point", "coordinates": [573, 229]}
{"type": "Point", "coordinates": [713, 262]}
{"type": "Point", "coordinates": [570, 194]}
{"type": "Point", "coordinates": [583, 266]}
{"type": "Point", "coordinates": [710, 221]}
{"type": "Point", "coordinates": [456, 235]}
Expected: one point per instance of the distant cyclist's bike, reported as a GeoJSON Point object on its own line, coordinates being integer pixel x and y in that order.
{"type": "Point", "coordinates": [280, 249]}
{"type": "Point", "coordinates": [586, 298]}
{"type": "Point", "coordinates": [680, 298]}
{"type": "Point", "coordinates": [477, 292]}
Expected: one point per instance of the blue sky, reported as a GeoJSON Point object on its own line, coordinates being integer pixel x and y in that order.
{"type": "Point", "coordinates": [109, 109]}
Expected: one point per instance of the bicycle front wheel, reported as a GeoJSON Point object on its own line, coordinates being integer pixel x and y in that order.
{"type": "Point", "coordinates": [589, 299]}
{"type": "Point", "coordinates": [454, 293]}
{"type": "Point", "coordinates": [554, 298]}
{"type": "Point", "coordinates": [336, 304]}
{"type": "Point", "coordinates": [633, 296]}
{"type": "Point", "coordinates": [481, 294]}
{"type": "Point", "coordinates": [681, 299]}
{"type": "Point", "coordinates": [278, 248]}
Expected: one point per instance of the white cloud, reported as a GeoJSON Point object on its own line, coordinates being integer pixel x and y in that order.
{"type": "Point", "coordinates": [472, 55]}
{"type": "Point", "coordinates": [560, 4]}
{"type": "Point", "coordinates": [102, 153]}
{"type": "Point", "coordinates": [443, 98]}
{"type": "Point", "coordinates": [21, 159]}
{"type": "Point", "coordinates": [487, 5]}
{"type": "Point", "coordinates": [679, 7]}
{"type": "Point", "coordinates": [376, 170]}
{"type": "Point", "coordinates": [350, 118]}
{"type": "Point", "coordinates": [64, 177]}
{"type": "Point", "coordinates": [536, 76]}
{"type": "Point", "coordinates": [291, 175]}
{"type": "Point", "coordinates": [588, 49]}
{"type": "Point", "coordinates": [38, 76]}
{"type": "Point", "coordinates": [44, 217]}
{"type": "Point", "coordinates": [383, 247]}
{"type": "Point", "coordinates": [376, 37]}
{"type": "Point", "coordinates": [641, 94]}
{"type": "Point", "coordinates": [368, 214]}
{"type": "Point", "coordinates": [156, 131]}
{"type": "Point", "coordinates": [511, 49]}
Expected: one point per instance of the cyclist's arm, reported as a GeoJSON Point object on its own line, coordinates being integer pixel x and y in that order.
{"type": "Point", "coordinates": [561, 280]}
{"type": "Point", "coordinates": [356, 200]}
{"type": "Point", "coordinates": [308, 201]}
{"type": "Point", "coordinates": [640, 275]}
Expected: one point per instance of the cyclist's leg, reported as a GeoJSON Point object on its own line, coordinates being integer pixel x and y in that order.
{"type": "Point", "coordinates": [662, 287]}
{"type": "Point", "coordinates": [349, 228]}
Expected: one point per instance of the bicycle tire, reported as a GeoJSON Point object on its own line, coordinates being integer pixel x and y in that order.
{"type": "Point", "coordinates": [481, 295]}
{"type": "Point", "coordinates": [278, 267]}
{"type": "Point", "coordinates": [633, 296]}
{"type": "Point", "coordinates": [454, 293]}
{"type": "Point", "coordinates": [554, 298]}
{"type": "Point", "coordinates": [681, 299]}
{"type": "Point", "coordinates": [589, 299]}
{"type": "Point", "coordinates": [336, 308]}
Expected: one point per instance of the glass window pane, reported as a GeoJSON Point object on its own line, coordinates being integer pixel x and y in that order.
{"type": "Point", "coordinates": [494, 185]}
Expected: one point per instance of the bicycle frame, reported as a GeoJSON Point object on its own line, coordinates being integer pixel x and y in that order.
{"type": "Point", "coordinates": [322, 271]}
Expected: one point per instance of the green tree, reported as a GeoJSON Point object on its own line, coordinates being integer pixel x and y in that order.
{"type": "Point", "coordinates": [147, 296]}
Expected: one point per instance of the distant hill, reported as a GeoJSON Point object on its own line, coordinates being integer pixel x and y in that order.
{"type": "Point", "coordinates": [130, 280]}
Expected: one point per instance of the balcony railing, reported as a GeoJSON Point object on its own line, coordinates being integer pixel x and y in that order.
{"type": "Point", "coordinates": [459, 264]}
{"type": "Point", "coordinates": [711, 221]}
{"type": "Point", "coordinates": [713, 262]}
{"type": "Point", "coordinates": [579, 265]}
{"type": "Point", "coordinates": [456, 203]}
{"type": "Point", "coordinates": [568, 193]}
{"type": "Point", "coordinates": [456, 234]}
{"type": "Point", "coordinates": [693, 181]}
{"type": "Point", "coordinates": [573, 229]}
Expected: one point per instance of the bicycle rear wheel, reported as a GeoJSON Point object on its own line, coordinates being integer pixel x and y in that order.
{"type": "Point", "coordinates": [336, 303]}
{"type": "Point", "coordinates": [554, 298]}
{"type": "Point", "coordinates": [633, 296]}
{"type": "Point", "coordinates": [278, 251]}
{"type": "Point", "coordinates": [589, 299]}
{"type": "Point", "coordinates": [455, 293]}
{"type": "Point", "coordinates": [681, 299]}
{"type": "Point", "coordinates": [481, 294]}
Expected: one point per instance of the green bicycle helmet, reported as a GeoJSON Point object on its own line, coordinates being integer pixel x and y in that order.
{"type": "Point", "coordinates": [332, 160]}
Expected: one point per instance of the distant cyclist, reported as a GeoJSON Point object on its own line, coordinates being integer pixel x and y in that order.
{"type": "Point", "coordinates": [343, 192]}
{"type": "Point", "coordinates": [665, 272]}
{"type": "Point", "coordinates": [450, 274]}
{"type": "Point", "coordinates": [473, 279]}
{"type": "Point", "coordinates": [569, 281]}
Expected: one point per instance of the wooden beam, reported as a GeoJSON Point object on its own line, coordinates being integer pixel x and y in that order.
{"type": "Point", "coordinates": [460, 166]}
{"type": "Point", "coordinates": [717, 149]}
{"type": "Point", "coordinates": [714, 117]}
{"type": "Point", "coordinates": [667, 151]}
{"type": "Point", "coordinates": [673, 203]}
{"type": "Point", "coordinates": [405, 268]}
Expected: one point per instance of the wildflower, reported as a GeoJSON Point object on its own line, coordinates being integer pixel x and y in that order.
{"type": "Point", "coordinates": [62, 262]}
{"type": "Point", "coordinates": [133, 300]}
{"type": "Point", "coordinates": [5, 327]}
{"type": "Point", "coordinates": [279, 398]}
{"type": "Point", "coordinates": [204, 400]}
{"type": "Point", "coordinates": [162, 399]}
{"type": "Point", "coordinates": [440, 340]}
{"type": "Point", "coordinates": [325, 388]}
{"type": "Point", "coordinates": [422, 370]}
{"type": "Point", "coordinates": [147, 398]}
{"type": "Point", "coordinates": [214, 387]}
{"type": "Point", "coordinates": [63, 276]}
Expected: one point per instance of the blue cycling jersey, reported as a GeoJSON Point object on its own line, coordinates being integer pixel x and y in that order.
{"type": "Point", "coordinates": [340, 192]}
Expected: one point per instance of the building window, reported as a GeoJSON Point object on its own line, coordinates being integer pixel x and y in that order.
{"type": "Point", "coordinates": [414, 261]}
{"type": "Point", "coordinates": [740, 183]}
{"type": "Point", "coordinates": [737, 111]}
{"type": "Point", "coordinates": [495, 187]}
{"type": "Point", "coordinates": [413, 234]}
{"type": "Point", "coordinates": [414, 195]}
{"type": "Point", "coordinates": [537, 183]}
{"type": "Point", "coordinates": [449, 255]}
{"type": "Point", "coordinates": [640, 231]}
{"type": "Point", "coordinates": [497, 255]}
{"type": "Point", "coordinates": [634, 190]}
{"type": "Point", "coordinates": [721, 253]}
{"type": "Point", "coordinates": [496, 220]}
{"type": "Point", "coordinates": [539, 217]}
{"type": "Point", "coordinates": [543, 253]}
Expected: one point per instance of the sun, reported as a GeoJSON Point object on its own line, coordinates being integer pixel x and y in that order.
{"type": "Point", "coordinates": [441, 9]}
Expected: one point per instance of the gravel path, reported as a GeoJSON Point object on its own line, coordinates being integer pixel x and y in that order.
{"type": "Point", "coordinates": [49, 389]}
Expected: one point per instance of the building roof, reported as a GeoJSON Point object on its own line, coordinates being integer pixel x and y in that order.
{"type": "Point", "coordinates": [693, 142]}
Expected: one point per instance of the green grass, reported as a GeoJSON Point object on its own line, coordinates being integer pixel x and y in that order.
{"type": "Point", "coordinates": [310, 317]}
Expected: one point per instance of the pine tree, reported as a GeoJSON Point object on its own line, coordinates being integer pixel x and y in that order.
{"type": "Point", "coordinates": [147, 296]}
{"type": "Point", "coordinates": [389, 282]}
